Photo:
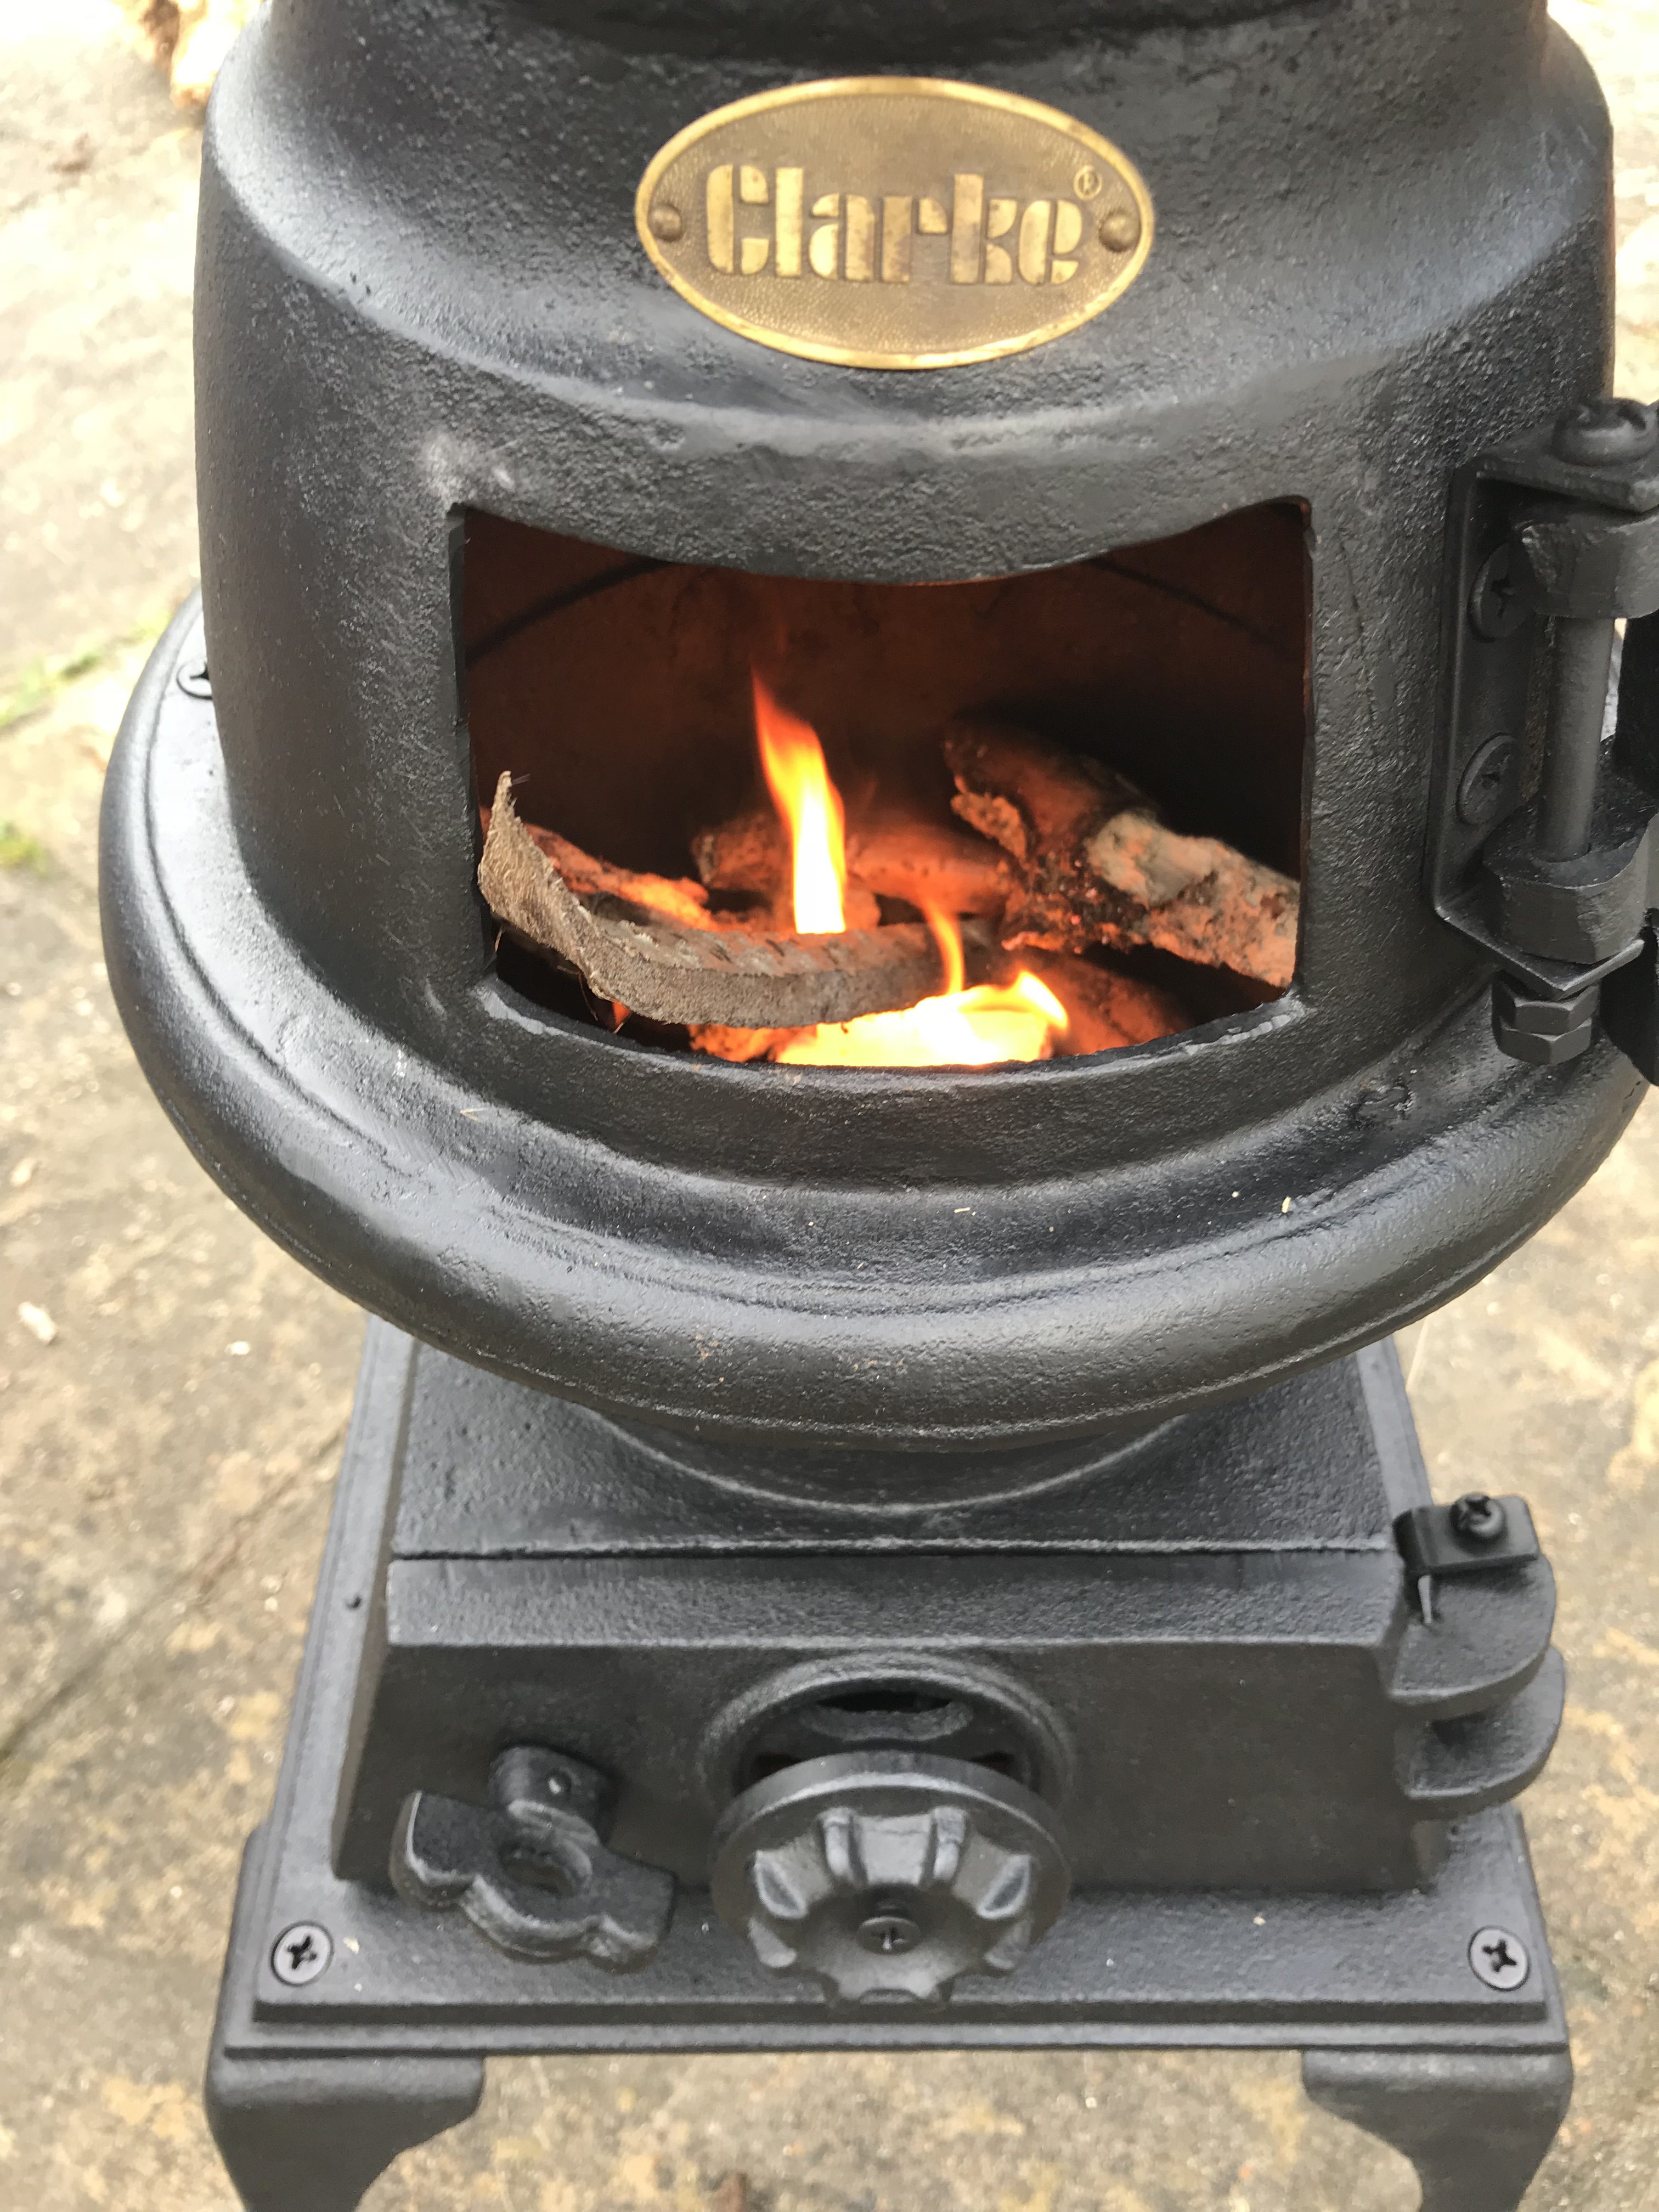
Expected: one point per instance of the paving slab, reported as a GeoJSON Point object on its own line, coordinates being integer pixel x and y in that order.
{"type": "Point", "coordinates": [98, 174]}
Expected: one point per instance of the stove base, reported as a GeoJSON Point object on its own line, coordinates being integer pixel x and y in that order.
{"type": "Point", "coordinates": [313, 2089]}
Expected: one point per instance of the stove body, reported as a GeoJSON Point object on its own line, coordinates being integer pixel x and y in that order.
{"type": "Point", "coordinates": [874, 1558]}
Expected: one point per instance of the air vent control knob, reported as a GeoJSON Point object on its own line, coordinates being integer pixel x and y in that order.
{"type": "Point", "coordinates": [889, 1874]}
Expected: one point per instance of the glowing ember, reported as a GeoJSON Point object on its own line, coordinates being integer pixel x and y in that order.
{"type": "Point", "coordinates": [810, 807]}
{"type": "Point", "coordinates": [958, 1028]}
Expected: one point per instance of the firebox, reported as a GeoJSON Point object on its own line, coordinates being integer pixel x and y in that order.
{"type": "Point", "coordinates": [1041, 762]}
{"type": "Point", "coordinates": [917, 766]}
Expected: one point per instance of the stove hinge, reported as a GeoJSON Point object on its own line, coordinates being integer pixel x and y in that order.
{"type": "Point", "coordinates": [1542, 848]}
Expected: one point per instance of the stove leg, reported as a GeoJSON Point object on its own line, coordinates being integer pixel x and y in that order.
{"type": "Point", "coordinates": [1475, 2125]}
{"type": "Point", "coordinates": [310, 2135]}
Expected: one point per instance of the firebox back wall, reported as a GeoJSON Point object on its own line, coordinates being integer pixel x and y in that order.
{"type": "Point", "coordinates": [617, 692]}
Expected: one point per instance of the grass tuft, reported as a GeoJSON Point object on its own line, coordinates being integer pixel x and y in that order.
{"type": "Point", "coordinates": [18, 849]}
{"type": "Point", "coordinates": [41, 681]}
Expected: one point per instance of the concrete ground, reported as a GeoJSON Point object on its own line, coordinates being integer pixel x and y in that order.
{"type": "Point", "coordinates": [172, 1394]}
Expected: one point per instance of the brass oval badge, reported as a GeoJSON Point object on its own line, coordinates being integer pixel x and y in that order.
{"type": "Point", "coordinates": [895, 222]}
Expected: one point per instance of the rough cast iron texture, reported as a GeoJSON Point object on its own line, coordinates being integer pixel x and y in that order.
{"type": "Point", "coordinates": [1231, 1585]}
{"type": "Point", "coordinates": [1382, 246]}
{"type": "Point", "coordinates": [1199, 1938]}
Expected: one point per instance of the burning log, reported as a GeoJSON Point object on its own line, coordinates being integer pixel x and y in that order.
{"type": "Point", "coordinates": [651, 942]}
{"type": "Point", "coordinates": [741, 1046]}
{"type": "Point", "coordinates": [750, 854]}
{"type": "Point", "coordinates": [584, 874]}
{"type": "Point", "coordinates": [1106, 1009]}
{"type": "Point", "coordinates": [930, 864]}
{"type": "Point", "coordinates": [1094, 865]}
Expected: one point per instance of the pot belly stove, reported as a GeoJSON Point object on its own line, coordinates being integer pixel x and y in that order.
{"type": "Point", "coordinates": [917, 769]}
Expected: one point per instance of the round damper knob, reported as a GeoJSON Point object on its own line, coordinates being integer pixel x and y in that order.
{"type": "Point", "coordinates": [889, 1874]}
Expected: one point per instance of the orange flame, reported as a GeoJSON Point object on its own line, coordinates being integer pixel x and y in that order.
{"type": "Point", "coordinates": [955, 1027]}
{"type": "Point", "coordinates": [810, 809]}
{"type": "Point", "coordinates": [994, 1022]}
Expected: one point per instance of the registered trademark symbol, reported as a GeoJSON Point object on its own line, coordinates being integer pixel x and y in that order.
{"type": "Point", "coordinates": [1087, 182]}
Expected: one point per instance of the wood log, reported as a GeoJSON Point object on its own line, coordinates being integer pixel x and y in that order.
{"type": "Point", "coordinates": [750, 854]}
{"type": "Point", "coordinates": [1095, 866]}
{"type": "Point", "coordinates": [584, 874]}
{"type": "Point", "coordinates": [930, 864]}
{"type": "Point", "coordinates": [654, 945]}
{"type": "Point", "coordinates": [1106, 1009]}
{"type": "Point", "coordinates": [739, 1045]}
{"type": "Point", "coordinates": [926, 864]}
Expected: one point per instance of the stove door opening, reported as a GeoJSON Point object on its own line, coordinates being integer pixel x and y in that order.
{"type": "Point", "coordinates": [779, 819]}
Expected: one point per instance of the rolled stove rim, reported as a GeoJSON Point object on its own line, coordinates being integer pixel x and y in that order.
{"type": "Point", "coordinates": [579, 1327]}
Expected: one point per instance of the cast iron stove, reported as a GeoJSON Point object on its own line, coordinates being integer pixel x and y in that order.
{"type": "Point", "coordinates": [907, 1535]}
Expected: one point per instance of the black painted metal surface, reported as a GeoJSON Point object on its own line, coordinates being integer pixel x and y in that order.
{"type": "Point", "coordinates": [1233, 1584]}
{"type": "Point", "coordinates": [413, 1972]}
{"type": "Point", "coordinates": [1327, 1734]}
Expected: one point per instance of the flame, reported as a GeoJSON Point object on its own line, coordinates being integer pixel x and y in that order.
{"type": "Point", "coordinates": [810, 809]}
{"type": "Point", "coordinates": [994, 1022]}
{"type": "Point", "coordinates": [957, 1027]}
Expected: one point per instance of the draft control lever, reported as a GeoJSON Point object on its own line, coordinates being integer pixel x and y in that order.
{"type": "Point", "coordinates": [528, 1869]}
